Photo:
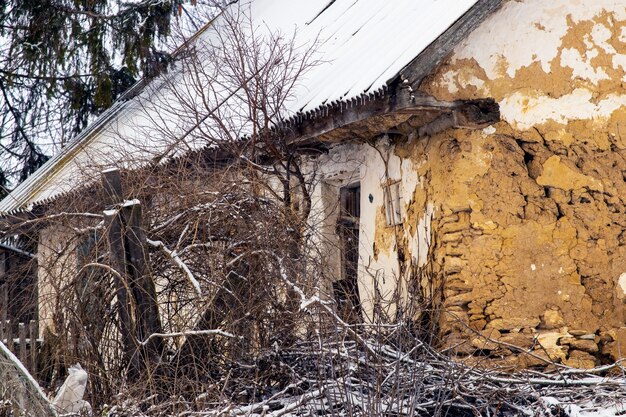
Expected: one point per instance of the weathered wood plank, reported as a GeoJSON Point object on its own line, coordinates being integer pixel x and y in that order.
{"type": "Point", "coordinates": [378, 115]}
{"type": "Point", "coordinates": [33, 333]}
{"type": "Point", "coordinates": [4, 298]}
{"type": "Point", "coordinates": [22, 338]}
{"type": "Point", "coordinates": [144, 292]}
{"type": "Point", "coordinates": [136, 293]}
{"type": "Point", "coordinates": [399, 100]}
{"type": "Point", "coordinates": [113, 222]}
{"type": "Point", "coordinates": [9, 335]}
{"type": "Point", "coordinates": [112, 184]}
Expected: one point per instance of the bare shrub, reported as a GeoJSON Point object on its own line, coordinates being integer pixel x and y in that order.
{"type": "Point", "coordinates": [160, 287]}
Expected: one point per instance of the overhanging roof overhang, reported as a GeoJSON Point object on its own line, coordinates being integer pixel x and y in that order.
{"type": "Point", "coordinates": [372, 114]}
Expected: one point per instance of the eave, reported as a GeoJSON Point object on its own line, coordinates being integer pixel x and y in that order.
{"type": "Point", "coordinates": [372, 114]}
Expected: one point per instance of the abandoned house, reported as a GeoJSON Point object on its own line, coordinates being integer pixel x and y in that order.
{"type": "Point", "coordinates": [471, 153]}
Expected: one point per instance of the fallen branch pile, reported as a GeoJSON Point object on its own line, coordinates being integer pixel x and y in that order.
{"type": "Point", "coordinates": [345, 378]}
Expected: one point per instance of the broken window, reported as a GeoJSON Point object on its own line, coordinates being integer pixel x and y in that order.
{"type": "Point", "coordinates": [346, 290]}
{"type": "Point", "coordinates": [351, 202]}
{"type": "Point", "coordinates": [393, 203]}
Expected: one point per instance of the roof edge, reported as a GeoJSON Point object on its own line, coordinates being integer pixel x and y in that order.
{"type": "Point", "coordinates": [422, 65]}
{"type": "Point", "coordinates": [15, 201]}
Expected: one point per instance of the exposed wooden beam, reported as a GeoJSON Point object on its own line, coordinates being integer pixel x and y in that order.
{"type": "Point", "coordinates": [469, 114]}
{"type": "Point", "coordinates": [402, 101]}
{"type": "Point", "coordinates": [340, 114]}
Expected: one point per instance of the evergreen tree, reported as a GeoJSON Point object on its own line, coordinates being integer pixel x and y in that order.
{"type": "Point", "coordinates": [64, 61]}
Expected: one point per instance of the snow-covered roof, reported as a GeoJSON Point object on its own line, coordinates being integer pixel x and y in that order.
{"type": "Point", "coordinates": [360, 45]}
{"type": "Point", "coordinates": [363, 43]}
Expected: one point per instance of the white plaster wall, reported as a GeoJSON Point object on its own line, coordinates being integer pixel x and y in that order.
{"type": "Point", "coordinates": [523, 33]}
{"type": "Point", "coordinates": [379, 277]}
{"type": "Point", "coordinates": [56, 267]}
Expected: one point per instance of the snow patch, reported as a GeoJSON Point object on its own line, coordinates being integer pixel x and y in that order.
{"type": "Point", "coordinates": [622, 284]}
{"type": "Point", "coordinates": [489, 130]}
{"type": "Point", "coordinates": [129, 203]}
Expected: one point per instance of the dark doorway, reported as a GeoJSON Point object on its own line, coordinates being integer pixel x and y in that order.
{"type": "Point", "coordinates": [346, 289]}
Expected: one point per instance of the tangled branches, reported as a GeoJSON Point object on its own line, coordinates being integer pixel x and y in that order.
{"type": "Point", "coordinates": [338, 376]}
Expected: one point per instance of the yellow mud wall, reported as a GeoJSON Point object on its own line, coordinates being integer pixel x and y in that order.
{"type": "Point", "coordinates": [529, 223]}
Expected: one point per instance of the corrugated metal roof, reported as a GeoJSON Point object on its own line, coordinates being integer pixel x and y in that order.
{"type": "Point", "coordinates": [364, 42]}
{"type": "Point", "coordinates": [361, 44]}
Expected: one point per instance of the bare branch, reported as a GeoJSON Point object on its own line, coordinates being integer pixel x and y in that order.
{"type": "Point", "coordinates": [189, 333]}
{"type": "Point", "coordinates": [173, 256]}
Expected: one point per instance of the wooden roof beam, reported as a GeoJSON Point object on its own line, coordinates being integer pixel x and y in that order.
{"type": "Point", "coordinates": [403, 101]}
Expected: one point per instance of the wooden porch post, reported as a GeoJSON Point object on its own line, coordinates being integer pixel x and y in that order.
{"type": "Point", "coordinates": [136, 293]}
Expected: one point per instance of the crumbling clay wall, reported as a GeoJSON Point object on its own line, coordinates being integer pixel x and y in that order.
{"type": "Point", "coordinates": [530, 214]}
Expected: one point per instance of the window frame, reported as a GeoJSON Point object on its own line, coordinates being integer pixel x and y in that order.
{"type": "Point", "coordinates": [392, 200]}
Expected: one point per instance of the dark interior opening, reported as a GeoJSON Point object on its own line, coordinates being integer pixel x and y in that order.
{"type": "Point", "coordinates": [346, 289]}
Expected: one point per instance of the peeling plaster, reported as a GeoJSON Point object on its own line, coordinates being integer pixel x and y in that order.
{"type": "Point", "coordinates": [622, 35]}
{"type": "Point", "coordinates": [541, 238]}
{"type": "Point", "coordinates": [582, 66]}
{"type": "Point", "coordinates": [524, 112]}
{"type": "Point", "coordinates": [535, 36]}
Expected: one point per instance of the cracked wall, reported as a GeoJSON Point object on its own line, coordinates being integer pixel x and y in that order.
{"type": "Point", "coordinates": [529, 214]}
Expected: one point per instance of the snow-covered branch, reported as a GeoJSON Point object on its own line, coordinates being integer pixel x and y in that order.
{"type": "Point", "coordinates": [173, 256]}
{"type": "Point", "coordinates": [60, 216]}
{"type": "Point", "coordinates": [189, 333]}
{"type": "Point", "coordinates": [13, 365]}
{"type": "Point", "coordinates": [306, 302]}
